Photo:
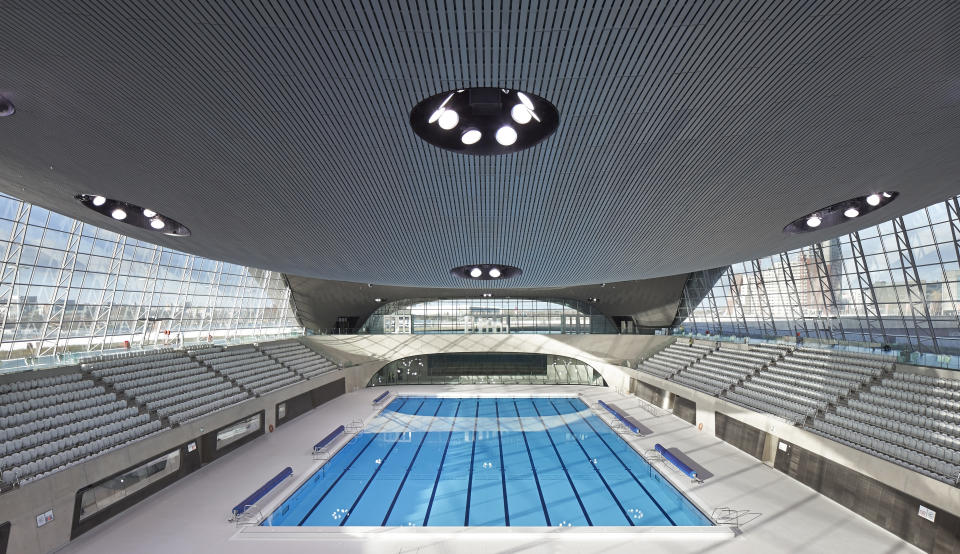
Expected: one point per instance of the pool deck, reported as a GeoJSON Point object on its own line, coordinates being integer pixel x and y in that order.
{"type": "Point", "coordinates": [781, 515]}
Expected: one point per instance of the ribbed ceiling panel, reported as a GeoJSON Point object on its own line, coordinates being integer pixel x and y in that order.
{"type": "Point", "coordinates": [690, 133]}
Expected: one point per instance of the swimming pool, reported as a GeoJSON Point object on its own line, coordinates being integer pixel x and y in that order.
{"type": "Point", "coordinates": [427, 461]}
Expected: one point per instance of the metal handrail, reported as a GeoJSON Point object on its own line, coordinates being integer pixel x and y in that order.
{"type": "Point", "coordinates": [727, 516]}
{"type": "Point", "coordinates": [252, 515]}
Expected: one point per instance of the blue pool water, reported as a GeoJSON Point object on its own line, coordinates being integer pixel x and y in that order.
{"type": "Point", "coordinates": [486, 462]}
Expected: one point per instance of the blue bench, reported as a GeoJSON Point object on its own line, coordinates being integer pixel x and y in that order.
{"type": "Point", "coordinates": [687, 470]}
{"type": "Point", "coordinates": [328, 439]}
{"type": "Point", "coordinates": [249, 501]}
{"type": "Point", "coordinates": [381, 397]}
{"type": "Point", "coordinates": [620, 417]}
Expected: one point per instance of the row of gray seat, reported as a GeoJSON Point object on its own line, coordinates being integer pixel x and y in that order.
{"type": "Point", "coordinates": [840, 360]}
{"type": "Point", "coordinates": [906, 429]}
{"type": "Point", "coordinates": [922, 388]}
{"type": "Point", "coordinates": [939, 382]}
{"type": "Point", "coordinates": [54, 410]}
{"type": "Point", "coordinates": [131, 363]}
{"type": "Point", "coordinates": [26, 395]}
{"type": "Point", "coordinates": [658, 368]}
{"type": "Point", "coordinates": [210, 406]}
{"type": "Point", "coordinates": [47, 436]}
{"type": "Point", "coordinates": [264, 385]}
{"type": "Point", "coordinates": [78, 454]}
{"type": "Point", "coordinates": [28, 384]}
{"type": "Point", "coordinates": [790, 411]}
{"type": "Point", "coordinates": [922, 463]}
{"type": "Point", "coordinates": [912, 407]}
{"type": "Point", "coordinates": [206, 401]}
{"type": "Point", "coordinates": [698, 382]}
{"type": "Point", "coordinates": [62, 420]}
{"type": "Point", "coordinates": [250, 368]}
{"type": "Point", "coordinates": [775, 390]}
{"type": "Point", "coordinates": [913, 418]}
{"type": "Point", "coordinates": [153, 374]}
{"type": "Point", "coordinates": [53, 455]}
{"type": "Point", "coordinates": [86, 391]}
{"type": "Point", "coordinates": [148, 392]}
{"type": "Point", "coordinates": [916, 397]}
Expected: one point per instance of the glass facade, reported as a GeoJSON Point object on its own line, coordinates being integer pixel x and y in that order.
{"type": "Point", "coordinates": [488, 315]}
{"type": "Point", "coordinates": [897, 283]}
{"type": "Point", "coordinates": [66, 286]}
{"type": "Point", "coordinates": [486, 368]}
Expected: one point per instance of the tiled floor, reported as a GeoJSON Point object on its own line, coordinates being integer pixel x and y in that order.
{"type": "Point", "coordinates": [191, 515]}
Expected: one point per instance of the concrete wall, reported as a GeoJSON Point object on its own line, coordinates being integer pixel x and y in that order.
{"type": "Point", "coordinates": [938, 493]}
{"type": "Point", "coordinates": [58, 491]}
{"type": "Point", "coordinates": [606, 353]}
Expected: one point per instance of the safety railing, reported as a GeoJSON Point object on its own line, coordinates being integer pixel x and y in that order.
{"type": "Point", "coordinates": [728, 516]}
{"type": "Point", "coordinates": [355, 427]}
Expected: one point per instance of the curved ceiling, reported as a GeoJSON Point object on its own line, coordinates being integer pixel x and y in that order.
{"type": "Point", "coordinates": [318, 303]}
{"type": "Point", "coordinates": [690, 133]}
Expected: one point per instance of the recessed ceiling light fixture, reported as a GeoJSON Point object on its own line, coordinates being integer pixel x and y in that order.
{"type": "Point", "coordinates": [486, 272]}
{"type": "Point", "coordinates": [132, 214]}
{"type": "Point", "coordinates": [471, 136]}
{"type": "Point", "coordinates": [6, 107]}
{"type": "Point", "coordinates": [506, 135]}
{"type": "Point", "coordinates": [481, 120]}
{"type": "Point", "coordinates": [841, 212]}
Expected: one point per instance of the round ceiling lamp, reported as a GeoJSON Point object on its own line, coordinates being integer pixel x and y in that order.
{"type": "Point", "coordinates": [486, 272]}
{"type": "Point", "coordinates": [132, 214]}
{"type": "Point", "coordinates": [506, 135]}
{"type": "Point", "coordinates": [6, 107]}
{"type": "Point", "coordinates": [521, 114]}
{"type": "Point", "coordinates": [840, 212]}
{"type": "Point", "coordinates": [448, 119]}
{"type": "Point", "coordinates": [482, 120]}
{"type": "Point", "coordinates": [471, 136]}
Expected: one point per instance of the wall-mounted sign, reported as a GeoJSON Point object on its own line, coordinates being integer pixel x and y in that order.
{"type": "Point", "coordinates": [191, 447]}
{"type": "Point", "coordinates": [927, 513]}
{"type": "Point", "coordinates": [782, 446]}
{"type": "Point", "coordinates": [44, 518]}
